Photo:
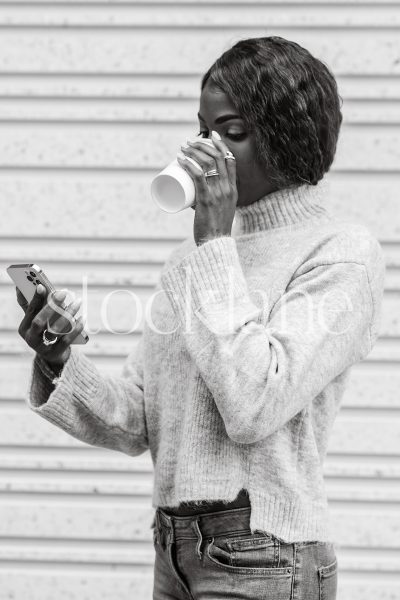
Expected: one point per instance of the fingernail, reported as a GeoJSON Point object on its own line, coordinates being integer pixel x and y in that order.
{"type": "Point", "coordinates": [77, 303]}
{"type": "Point", "coordinates": [216, 135]}
{"type": "Point", "coordinates": [59, 294]}
{"type": "Point", "coordinates": [40, 289]}
{"type": "Point", "coordinates": [206, 141]}
{"type": "Point", "coordinates": [181, 156]}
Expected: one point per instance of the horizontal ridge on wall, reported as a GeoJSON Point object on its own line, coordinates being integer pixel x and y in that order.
{"type": "Point", "coordinates": [307, 15]}
{"type": "Point", "coordinates": [163, 86]}
{"type": "Point", "coordinates": [118, 51]}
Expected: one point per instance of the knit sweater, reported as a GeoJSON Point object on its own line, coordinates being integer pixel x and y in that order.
{"type": "Point", "coordinates": [238, 378]}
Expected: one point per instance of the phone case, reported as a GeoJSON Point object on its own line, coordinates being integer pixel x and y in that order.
{"type": "Point", "coordinates": [27, 277]}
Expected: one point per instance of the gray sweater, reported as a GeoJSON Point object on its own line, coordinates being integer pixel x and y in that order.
{"type": "Point", "coordinates": [239, 375]}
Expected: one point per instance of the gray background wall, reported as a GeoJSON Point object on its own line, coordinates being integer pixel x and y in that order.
{"type": "Point", "coordinates": [95, 98]}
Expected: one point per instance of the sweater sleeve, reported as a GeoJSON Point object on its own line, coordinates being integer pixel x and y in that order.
{"type": "Point", "coordinates": [100, 410]}
{"type": "Point", "coordinates": [265, 364]}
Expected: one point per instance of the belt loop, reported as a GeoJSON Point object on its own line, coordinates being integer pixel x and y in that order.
{"type": "Point", "coordinates": [171, 530]}
{"type": "Point", "coordinates": [198, 545]}
{"type": "Point", "coordinates": [160, 530]}
{"type": "Point", "coordinates": [157, 519]}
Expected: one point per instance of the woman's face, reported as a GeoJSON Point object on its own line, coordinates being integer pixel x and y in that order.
{"type": "Point", "coordinates": [251, 179]}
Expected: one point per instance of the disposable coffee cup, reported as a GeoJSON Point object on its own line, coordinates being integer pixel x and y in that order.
{"type": "Point", "coordinates": [173, 188]}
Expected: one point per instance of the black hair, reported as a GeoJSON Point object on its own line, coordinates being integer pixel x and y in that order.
{"type": "Point", "coordinates": [289, 99]}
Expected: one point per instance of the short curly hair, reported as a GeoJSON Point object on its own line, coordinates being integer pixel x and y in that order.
{"type": "Point", "coordinates": [289, 99]}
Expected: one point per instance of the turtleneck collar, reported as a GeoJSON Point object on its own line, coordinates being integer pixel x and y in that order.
{"type": "Point", "coordinates": [282, 208]}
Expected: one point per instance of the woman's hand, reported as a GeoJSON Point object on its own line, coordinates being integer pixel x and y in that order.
{"type": "Point", "coordinates": [216, 196]}
{"type": "Point", "coordinates": [40, 315]}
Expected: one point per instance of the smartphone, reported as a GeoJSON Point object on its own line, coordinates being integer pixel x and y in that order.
{"type": "Point", "coordinates": [26, 277]}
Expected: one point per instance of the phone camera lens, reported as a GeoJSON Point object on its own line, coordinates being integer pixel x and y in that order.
{"type": "Point", "coordinates": [30, 278]}
{"type": "Point", "coordinates": [32, 273]}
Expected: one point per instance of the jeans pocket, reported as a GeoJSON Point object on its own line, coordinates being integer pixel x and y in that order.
{"type": "Point", "coordinates": [247, 554]}
{"type": "Point", "coordinates": [254, 552]}
{"type": "Point", "coordinates": [327, 576]}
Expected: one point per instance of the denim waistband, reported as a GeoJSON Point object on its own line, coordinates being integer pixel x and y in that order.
{"type": "Point", "coordinates": [202, 525]}
{"type": "Point", "coordinates": [210, 523]}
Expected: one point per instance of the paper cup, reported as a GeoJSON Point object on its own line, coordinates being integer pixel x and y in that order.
{"type": "Point", "coordinates": [173, 188]}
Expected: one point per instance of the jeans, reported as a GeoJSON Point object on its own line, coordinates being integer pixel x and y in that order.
{"type": "Point", "coordinates": [214, 556]}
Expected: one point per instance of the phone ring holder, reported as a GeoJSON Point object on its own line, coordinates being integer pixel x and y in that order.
{"type": "Point", "coordinates": [46, 341]}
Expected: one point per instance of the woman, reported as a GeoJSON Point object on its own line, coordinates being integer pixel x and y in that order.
{"type": "Point", "coordinates": [236, 381]}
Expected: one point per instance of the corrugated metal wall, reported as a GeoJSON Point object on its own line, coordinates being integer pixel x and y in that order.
{"type": "Point", "coordinates": [95, 98]}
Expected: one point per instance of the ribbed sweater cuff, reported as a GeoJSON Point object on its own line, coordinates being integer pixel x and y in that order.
{"type": "Point", "coordinates": [78, 382]}
{"type": "Point", "coordinates": [207, 280]}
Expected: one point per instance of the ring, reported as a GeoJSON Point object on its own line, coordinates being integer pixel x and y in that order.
{"type": "Point", "coordinates": [229, 155]}
{"type": "Point", "coordinates": [46, 341]}
{"type": "Point", "coordinates": [211, 173]}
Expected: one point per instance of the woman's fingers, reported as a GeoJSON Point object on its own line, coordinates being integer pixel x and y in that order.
{"type": "Point", "coordinates": [49, 318]}
{"type": "Point", "coordinates": [31, 310]}
{"type": "Point", "coordinates": [39, 321]}
{"type": "Point", "coordinates": [65, 324]}
{"type": "Point", "coordinates": [62, 349]}
{"type": "Point", "coordinates": [78, 327]}
{"type": "Point", "coordinates": [55, 318]}
{"type": "Point", "coordinates": [229, 163]}
{"type": "Point", "coordinates": [22, 301]}
{"type": "Point", "coordinates": [209, 157]}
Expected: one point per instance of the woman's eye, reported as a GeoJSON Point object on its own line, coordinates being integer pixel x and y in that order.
{"type": "Point", "coordinates": [236, 136]}
{"type": "Point", "coordinates": [233, 136]}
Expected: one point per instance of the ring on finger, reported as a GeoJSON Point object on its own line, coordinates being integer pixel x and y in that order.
{"type": "Point", "coordinates": [229, 154]}
{"type": "Point", "coordinates": [209, 171]}
{"type": "Point", "coordinates": [46, 341]}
